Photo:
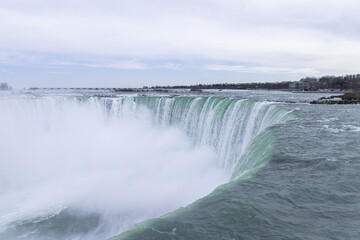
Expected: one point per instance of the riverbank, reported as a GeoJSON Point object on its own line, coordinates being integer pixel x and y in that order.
{"type": "Point", "coordinates": [346, 98]}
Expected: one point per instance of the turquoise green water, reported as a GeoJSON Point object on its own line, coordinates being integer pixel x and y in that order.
{"type": "Point", "coordinates": [310, 189]}
{"type": "Point", "coordinates": [293, 171]}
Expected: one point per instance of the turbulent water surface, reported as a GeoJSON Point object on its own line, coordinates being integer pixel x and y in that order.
{"type": "Point", "coordinates": [216, 165]}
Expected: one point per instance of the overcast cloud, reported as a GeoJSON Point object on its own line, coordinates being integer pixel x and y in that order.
{"type": "Point", "coordinates": [276, 39]}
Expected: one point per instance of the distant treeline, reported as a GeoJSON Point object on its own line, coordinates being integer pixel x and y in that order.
{"type": "Point", "coordinates": [346, 82]}
{"type": "Point", "coordinates": [335, 82]}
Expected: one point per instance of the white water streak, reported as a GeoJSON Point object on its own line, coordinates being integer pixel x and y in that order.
{"type": "Point", "coordinates": [115, 158]}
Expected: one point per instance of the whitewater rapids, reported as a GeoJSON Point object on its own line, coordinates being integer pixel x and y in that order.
{"type": "Point", "coordinates": [118, 161]}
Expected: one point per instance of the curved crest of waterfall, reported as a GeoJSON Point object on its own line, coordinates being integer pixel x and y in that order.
{"type": "Point", "coordinates": [74, 148]}
{"type": "Point", "coordinates": [227, 125]}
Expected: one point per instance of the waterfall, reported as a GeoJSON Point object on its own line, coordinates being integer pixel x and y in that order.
{"type": "Point", "coordinates": [226, 125]}
{"type": "Point", "coordinates": [118, 161]}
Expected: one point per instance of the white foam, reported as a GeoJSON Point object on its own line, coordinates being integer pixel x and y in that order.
{"type": "Point", "coordinates": [58, 153]}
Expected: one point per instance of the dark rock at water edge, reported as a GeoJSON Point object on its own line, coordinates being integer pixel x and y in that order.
{"type": "Point", "coordinates": [346, 98]}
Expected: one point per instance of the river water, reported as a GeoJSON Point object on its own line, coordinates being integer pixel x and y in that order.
{"type": "Point", "coordinates": [213, 165]}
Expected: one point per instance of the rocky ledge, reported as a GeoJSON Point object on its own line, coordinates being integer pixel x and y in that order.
{"type": "Point", "coordinates": [346, 98]}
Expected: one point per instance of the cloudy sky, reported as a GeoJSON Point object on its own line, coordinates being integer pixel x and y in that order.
{"type": "Point", "coordinates": [132, 43]}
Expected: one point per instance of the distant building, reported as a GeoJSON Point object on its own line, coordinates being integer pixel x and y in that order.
{"type": "Point", "coordinates": [294, 85]}
{"type": "Point", "coordinates": [309, 84]}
